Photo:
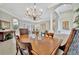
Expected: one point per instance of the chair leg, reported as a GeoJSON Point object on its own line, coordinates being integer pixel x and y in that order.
{"type": "Point", "coordinates": [29, 48]}
{"type": "Point", "coordinates": [21, 52]}
{"type": "Point", "coordinates": [16, 51]}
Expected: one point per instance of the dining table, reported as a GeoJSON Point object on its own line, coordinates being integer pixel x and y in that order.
{"type": "Point", "coordinates": [42, 46]}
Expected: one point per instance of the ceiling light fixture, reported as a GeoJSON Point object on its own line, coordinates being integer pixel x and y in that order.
{"type": "Point", "coordinates": [34, 12]}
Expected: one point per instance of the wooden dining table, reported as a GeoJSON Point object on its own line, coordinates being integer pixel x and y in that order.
{"type": "Point", "coordinates": [44, 46]}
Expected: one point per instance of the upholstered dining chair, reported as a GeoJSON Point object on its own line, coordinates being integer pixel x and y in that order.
{"type": "Point", "coordinates": [64, 49]}
{"type": "Point", "coordinates": [49, 35]}
{"type": "Point", "coordinates": [69, 41]}
{"type": "Point", "coordinates": [20, 47]}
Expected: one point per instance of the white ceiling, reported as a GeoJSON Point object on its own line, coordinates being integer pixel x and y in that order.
{"type": "Point", "coordinates": [18, 9]}
{"type": "Point", "coordinates": [64, 8]}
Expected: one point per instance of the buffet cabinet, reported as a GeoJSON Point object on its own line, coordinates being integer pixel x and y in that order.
{"type": "Point", "coordinates": [24, 31]}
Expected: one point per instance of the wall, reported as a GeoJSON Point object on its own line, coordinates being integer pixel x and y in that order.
{"type": "Point", "coordinates": [26, 24]}
{"type": "Point", "coordinates": [6, 17]}
{"type": "Point", "coordinates": [65, 16]}
{"type": "Point", "coordinates": [43, 26]}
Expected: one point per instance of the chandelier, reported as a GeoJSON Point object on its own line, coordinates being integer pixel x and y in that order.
{"type": "Point", "coordinates": [34, 12]}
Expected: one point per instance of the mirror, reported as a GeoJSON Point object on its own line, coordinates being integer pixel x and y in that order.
{"type": "Point", "coordinates": [15, 23]}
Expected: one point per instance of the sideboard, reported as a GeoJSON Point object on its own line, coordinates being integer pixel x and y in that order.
{"type": "Point", "coordinates": [3, 34]}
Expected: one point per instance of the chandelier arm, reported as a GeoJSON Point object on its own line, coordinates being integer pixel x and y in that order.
{"type": "Point", "coordinates": [34, 12]}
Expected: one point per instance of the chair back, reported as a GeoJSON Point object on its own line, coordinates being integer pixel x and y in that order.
{"type": "Point", "coordinates": [19, 46]}
{"type": "Point", "coordinates": [69, 41]}
{"type": "Point", "coordinates": [49, 35]}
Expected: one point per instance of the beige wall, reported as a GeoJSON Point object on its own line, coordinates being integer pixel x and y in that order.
{"type": "Point", "coordinates": [66, 16]}
{"type": "Point", "coordinates": [6, 17]}
{"type": "Point", "coordinates": [42, 26]}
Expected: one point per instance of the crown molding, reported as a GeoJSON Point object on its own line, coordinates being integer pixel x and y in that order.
{"type": "Point", "coordinates": [9, 13]}
{"type": "Point", "coordinates": [15, 16]}
{"type": "Point", "coordinates": [41, 20]}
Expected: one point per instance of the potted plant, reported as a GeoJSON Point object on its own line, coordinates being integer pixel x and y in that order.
{"type": "Point", "coordinates": [77, 18]}
{"type": "Point", "coordinates": [8, 36]}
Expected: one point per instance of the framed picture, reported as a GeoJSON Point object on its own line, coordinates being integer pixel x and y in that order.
{"type": "Point", "coordinates": [65, 25]}
{"type": "Point", "coordinates": [4, 24]}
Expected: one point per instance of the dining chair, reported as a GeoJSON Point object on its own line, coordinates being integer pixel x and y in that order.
{"type": "Point", "coordinates": [49, 35]}
{"type": "Point", "coordinates": [20, 47]}
{"type": "Point", "coordinates": [64, 49]}
{"type": "Point", "coordinates": [69, 41]}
